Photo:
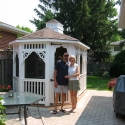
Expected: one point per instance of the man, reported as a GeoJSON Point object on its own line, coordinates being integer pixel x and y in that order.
{"type": "Point", "coordinates": [60, 82]}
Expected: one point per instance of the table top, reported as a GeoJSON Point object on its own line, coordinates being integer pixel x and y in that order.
{"type": "Point", "coordinates": [20, 98]}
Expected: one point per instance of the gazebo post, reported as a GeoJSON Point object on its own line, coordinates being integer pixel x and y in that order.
{"type": "Point", "coordinates": [20, 88]}
{"type": "Point", "coordinates": [47, 69]}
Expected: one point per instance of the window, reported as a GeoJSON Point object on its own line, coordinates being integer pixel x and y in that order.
{"type": "Point", "coordinates": [34, 67]}
{"type": "Point", "coordinates": [117, 48]}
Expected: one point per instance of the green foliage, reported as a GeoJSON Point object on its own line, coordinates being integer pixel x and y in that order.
{"type": "Point", "coordinates": [105, 74]}
{"type": "Point", "coordinates": [23, 28]}
{"type": "Point", "coordinates": [42, 23]}
{"type": "Point", "coordinates": [2, 115]}
{"type": "Point", "coordinates": [117, 68]}
{"type": "Point", "coordinates": [120, 57]}
{"type": "Point", "coordinates": [115, 37]}
{"type": "Point", "coordinates": [97, 73]}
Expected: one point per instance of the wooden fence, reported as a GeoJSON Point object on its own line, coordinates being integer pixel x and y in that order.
{"type": "Point", "coordinates": [6, 68]}
{"type": "Point", "coordinates": [98, 67]}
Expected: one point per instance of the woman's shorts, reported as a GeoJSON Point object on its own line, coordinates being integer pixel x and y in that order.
{"type": "Point", "coordinates": [73, 85]}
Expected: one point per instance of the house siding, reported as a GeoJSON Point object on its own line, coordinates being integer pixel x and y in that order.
{"type": "Point", "coordinates": [6, 38]}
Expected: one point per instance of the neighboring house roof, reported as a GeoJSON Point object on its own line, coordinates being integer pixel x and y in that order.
{"type": "Point", "coordinates": [117, 43]}
{"type": "Point", "coordinates": [47, 33]}
{"type": "Point", "coordinates": [12, 29]}
{"type": "Point", "coordinates": [121, 23]}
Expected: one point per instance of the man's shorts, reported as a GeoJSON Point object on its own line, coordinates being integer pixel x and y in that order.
{"type": "Point", "coordinates": [61, 88]}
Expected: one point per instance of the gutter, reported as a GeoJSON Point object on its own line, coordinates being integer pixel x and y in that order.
{"type": "Point", "coordinates": [13, 29]}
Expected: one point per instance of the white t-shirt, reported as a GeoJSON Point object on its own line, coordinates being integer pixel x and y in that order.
{"type": "Point", "coordinates": [72, 70]}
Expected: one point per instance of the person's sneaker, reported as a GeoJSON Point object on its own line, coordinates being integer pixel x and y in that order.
{"type": "Point", "coordinates": [63, 110]}
{"type": "Point", "coordinates": [54, 112]}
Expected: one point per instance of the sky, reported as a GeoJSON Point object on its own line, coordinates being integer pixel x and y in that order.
{"type": "Point", "coordinates": [14, 12]}
{"type": "Point", "coordinates": [19, 12]}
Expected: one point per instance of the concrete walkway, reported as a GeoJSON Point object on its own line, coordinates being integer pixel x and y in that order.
{"type": "Point", "coordinates": [94, 108]}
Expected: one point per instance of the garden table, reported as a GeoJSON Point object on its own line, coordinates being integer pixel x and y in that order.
{"type": "Point", "coordinates": [20, 99]}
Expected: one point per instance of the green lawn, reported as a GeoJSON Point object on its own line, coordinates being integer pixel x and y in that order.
{"type": "Point", "coordinates": [97, 83]}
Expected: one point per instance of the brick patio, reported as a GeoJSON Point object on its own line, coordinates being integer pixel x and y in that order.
{"type": "Point", "coordinates": [94, 108]}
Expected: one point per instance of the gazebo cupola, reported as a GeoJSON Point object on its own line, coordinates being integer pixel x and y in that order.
{"type": "Point", "coordinates": [55, 25]}
{"type": "Point", "coordinates": [34, 58]}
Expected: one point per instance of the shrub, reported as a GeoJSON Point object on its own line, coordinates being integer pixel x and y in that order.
{"type": "Point", "coordinates": [117, 68]}
{"type": "Point", "coordinates": [105, 74]}
{"type": "Point", "coordinates": [2, 115]}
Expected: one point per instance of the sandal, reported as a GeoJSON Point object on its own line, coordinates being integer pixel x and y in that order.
{"type": "Point", "coordinates": [63, 110]}
{"type": "Point", "coordinates": [54, 112]}
{"type": "Point", "coordinates": [71, 111]}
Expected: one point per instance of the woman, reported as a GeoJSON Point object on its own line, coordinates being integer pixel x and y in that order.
{"type": "Point", "coordinates": [73, 85]}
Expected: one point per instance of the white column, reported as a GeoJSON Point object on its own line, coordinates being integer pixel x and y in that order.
{"type": "Point", "coordinates": [51, 63]}
{"type": "Point", "coordinates": [47, 75]}
{"type": "Point", "coordinates": [14, 68]}
{"type": "Point", "coordinates": [78, 58]}
{"type": "Point", "coordinates": [83, 64]}
{"type": "Point", "coordinates": [85, 76]}
{"type": "Point", "coordinates": [20, 88]}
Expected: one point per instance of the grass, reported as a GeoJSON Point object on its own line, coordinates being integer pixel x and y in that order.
{"type": "Point", "coordinates": [97, 82]}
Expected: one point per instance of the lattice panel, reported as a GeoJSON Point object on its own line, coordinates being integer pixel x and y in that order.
{"type": "Point", "coordinates": [40, 54]}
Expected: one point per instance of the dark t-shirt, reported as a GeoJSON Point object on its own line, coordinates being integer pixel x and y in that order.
{"type": "Point", "coordinates": [62, 70]}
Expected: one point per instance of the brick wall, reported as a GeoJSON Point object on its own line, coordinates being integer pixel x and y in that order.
{"type": "Point", "coordinates": [6, 38]}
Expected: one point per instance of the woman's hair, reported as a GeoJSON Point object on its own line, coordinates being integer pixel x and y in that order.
{"type": "Point", "coordinates": [72, 56]}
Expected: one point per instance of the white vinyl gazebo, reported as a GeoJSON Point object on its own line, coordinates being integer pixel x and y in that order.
{"type": "Point", "coordinates": [34, 58]}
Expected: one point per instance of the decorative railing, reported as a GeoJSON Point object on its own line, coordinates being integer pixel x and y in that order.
{"type": "Point", "coordinates": [67, 100]}
{"type": "Point", "coordinates": [82, 82]}
{"type": "Point", "coordinates": [35, 86]}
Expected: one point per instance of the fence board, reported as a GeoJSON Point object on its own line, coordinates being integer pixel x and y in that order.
{"type": "Point", "coordinates": [6, 67]}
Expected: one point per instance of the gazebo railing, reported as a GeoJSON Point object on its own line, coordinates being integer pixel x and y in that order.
{"type": "Point", "coordinates": [36, 86]}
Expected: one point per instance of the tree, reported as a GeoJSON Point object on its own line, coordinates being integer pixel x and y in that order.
{"type": "Point", "coordinates": [41, 23]}
{"type": "Point", "coordinates": [24, 28]}
{"type": "Point", "coordinates": [122, 33]}
{"type": "Point", "coordinates": [90, 21]}
{"type": "Point", "coordinates": [44, 13]}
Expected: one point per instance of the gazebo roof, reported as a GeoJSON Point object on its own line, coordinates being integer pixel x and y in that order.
{"type": "Point", "coordinates": [47, 33]}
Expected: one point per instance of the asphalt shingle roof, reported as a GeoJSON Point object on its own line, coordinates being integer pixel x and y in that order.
{"type": "Point", "coordinates": [47, 33]}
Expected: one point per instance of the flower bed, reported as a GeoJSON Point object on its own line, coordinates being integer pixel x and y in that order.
{"type": "Point", "coordinates": [112, 83]}
{"type": "Point", "coordinates": [5, 88]}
